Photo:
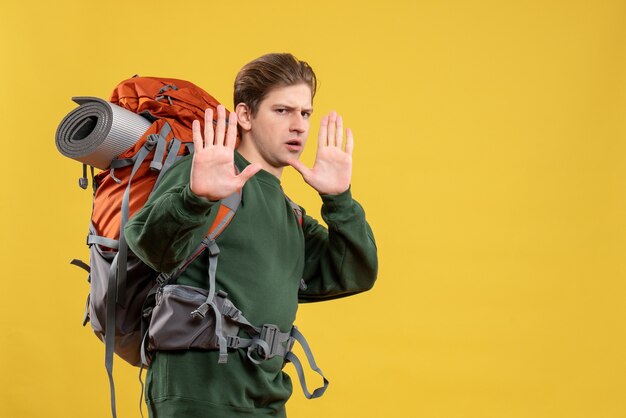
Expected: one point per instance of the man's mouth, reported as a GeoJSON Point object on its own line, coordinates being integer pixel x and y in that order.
{"type": "Point", "coordinates": [294, 145]}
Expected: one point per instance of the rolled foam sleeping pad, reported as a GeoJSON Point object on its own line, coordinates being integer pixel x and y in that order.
{"type": "Point", "coordinates": [98, 131]}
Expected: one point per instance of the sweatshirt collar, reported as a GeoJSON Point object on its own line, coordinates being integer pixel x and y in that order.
{"type": "Point", "coordinates": [262, 175]}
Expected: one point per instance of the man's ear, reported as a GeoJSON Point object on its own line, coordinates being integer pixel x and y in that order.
{"type": "Point", "coordinates": [244, 116]}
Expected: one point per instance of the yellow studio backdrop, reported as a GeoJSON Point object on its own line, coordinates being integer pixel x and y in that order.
{"type": "Point", "coordinates": [490, 157]}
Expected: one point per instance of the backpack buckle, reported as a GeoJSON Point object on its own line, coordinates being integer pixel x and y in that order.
{"type": "Point", "coordinates": [162, 279]}
{"type": "Point", "coordinates": [268, 334]}
{"type": "Point", "coordinates": [232, 341]}
{"type": "Point", "coordinates": [212, 246]}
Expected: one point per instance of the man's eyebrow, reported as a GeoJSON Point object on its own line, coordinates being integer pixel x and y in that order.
{"type": "Point", "coordinates": [284, 106]}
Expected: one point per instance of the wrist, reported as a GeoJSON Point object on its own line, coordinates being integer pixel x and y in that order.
{"type": "Point", "coordinates": [340, 195]}
{"type": "Point", "coordinates": [332, 192]}
{"type": "Point", "coordinates": [196, 203]}
{"type": "Point", "coordinates": [201, 196]}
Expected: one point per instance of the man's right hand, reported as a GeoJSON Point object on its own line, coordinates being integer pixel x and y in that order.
{"type": "Point", "coordinates": [213, 168]}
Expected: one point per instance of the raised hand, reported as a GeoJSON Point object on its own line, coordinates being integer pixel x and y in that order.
{"type": "Point", "coordinates": [332, 170]}
{"type": "Point", "coordinates": [213, 168]}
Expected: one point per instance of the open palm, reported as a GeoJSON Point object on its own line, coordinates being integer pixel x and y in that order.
{"type": "Point", "coordinates": [332, 170]}
{"type": "Point", "coordinates": [213, 169]}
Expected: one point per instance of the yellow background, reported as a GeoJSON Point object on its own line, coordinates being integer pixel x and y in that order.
{"type": "Point", "coordinates": [490, 158]}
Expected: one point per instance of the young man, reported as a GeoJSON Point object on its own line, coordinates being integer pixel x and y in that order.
{"type": "Point", "coordinates": [268, 262]}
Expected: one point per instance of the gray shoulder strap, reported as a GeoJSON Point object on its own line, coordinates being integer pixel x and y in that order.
{"type": "Point", "coordinates": [116, 288]}
{"type": "Point", "coordinates": [156, 163]}
{"type": "Point", "coordinates": [171, 158]}
{"type": "Point", "coordinates": [297, 210]}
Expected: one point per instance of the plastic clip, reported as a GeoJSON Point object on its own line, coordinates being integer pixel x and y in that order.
{"type": "Point", "coordinates": [212, 246]}
{"type": "Point", "coordinates": [268, 334]}
{"type": "Point", "coordinates": [162, 279]}
{"type": "Point", "coordinates": [232, 341]}
{"type": "Point", "coordinates": [201, 312]}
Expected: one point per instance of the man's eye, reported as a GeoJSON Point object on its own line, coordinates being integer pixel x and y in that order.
{"type": "Point", "coordinates": [306, 115]}
{"type": "Point", "coordinates": [281, 111]}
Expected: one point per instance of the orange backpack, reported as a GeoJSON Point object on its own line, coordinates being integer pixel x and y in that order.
{"type": "Point", "coordinates": [123, 188]}
{"type": "Point", "coordinates": [176, 103]}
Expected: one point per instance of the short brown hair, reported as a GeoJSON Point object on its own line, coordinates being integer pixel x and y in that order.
{"type": "Point", "coordinates": [255, 80]}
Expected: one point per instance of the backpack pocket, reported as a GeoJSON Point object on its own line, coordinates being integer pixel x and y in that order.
{"type": "Point", "coordinates": [128, 317]}
{"type": "Point", "coordinates": [173, 327]}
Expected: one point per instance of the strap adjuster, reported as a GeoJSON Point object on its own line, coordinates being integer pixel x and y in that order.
{"type": "Point", "coordinates": [162, 279]}
{"type": "Point", "coordinates": [200, 312]}
{"type": "Point", "coordinates": [212, 246]}
{"type": "Point", "coordinates": [232, 341]}
{"type": "Point", "coordinates": [268, 334]}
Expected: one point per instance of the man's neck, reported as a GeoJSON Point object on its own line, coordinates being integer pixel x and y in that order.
{"type": "Point", "coordinates": [252, 156]}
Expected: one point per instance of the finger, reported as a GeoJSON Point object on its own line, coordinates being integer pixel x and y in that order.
{"type": "Point", "coordinates": [339, 133]}
{"type": "Point", "coordinates": [300, 167]}
{"type": "Point", "coordinates": [208, 127]}
{"type": "Point", "coordinates": [231, 134]}
{"type": "Point", "coordinates": [322, 137]}
{"type": "Point", "coordinates": [349, 141]}
{"type": "Point", "coordinates": [197, 136]}
{"type": "Point", "coordinates": [332, 129]}
{"type": "Point", "coordinates": [248, 172]}
{"type": "Point", "coordinates": [220, 129]}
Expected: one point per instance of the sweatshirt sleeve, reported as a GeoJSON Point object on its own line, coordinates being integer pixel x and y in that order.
{"type": "Point", "coordinates": [171, 224]}
{"type": "Point", "coordinates": [341, 260]}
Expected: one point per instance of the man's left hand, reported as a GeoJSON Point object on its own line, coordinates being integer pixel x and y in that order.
{"type": "Point", "coordinates": [332, 170]}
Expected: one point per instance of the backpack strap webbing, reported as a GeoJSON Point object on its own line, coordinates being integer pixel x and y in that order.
{"type": "Point", "coordinates": [225, 213]}
{"type": "Point", "coordinates": [102, 241]}
{"type": "Point", "coordinates": [116, 291]}
{"type": "Point", "coordinates": [297, 210]}
{"type": "Point", "coordinates": [292, 358]}
{"type": "Point", "coordinates": [172, 157]}
{"type": "Point", "coordinates": [159, 152]}
{"type": "Point", "coordinates": [81, 264]}
{"type": "Point", "coordinates": [117, 277]}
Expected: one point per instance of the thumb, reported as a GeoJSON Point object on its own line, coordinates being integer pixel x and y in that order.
{"type": "Point", "coordinates": [298, 165]}
{"type": "Point", "coordinates": [249, 172]}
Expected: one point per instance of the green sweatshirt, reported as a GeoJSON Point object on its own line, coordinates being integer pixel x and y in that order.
{"type": "Point", "coordinates": [264, 254]}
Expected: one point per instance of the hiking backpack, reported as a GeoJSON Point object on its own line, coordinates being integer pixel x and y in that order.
{"type": "Point", "coordinates": [123, 322]}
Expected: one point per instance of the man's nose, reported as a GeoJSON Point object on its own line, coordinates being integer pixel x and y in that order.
{"type": "Point", "coordinates": [298, 123]}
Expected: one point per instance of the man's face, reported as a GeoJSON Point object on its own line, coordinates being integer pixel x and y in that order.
{"type": "Point", "coordinates": [279, 129]}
